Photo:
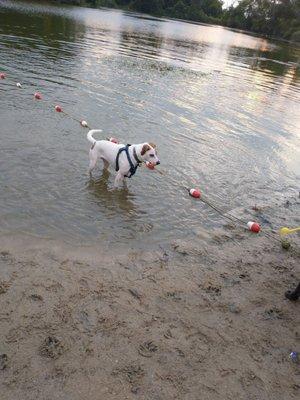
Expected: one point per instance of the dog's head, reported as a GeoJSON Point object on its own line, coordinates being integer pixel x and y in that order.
{"type": "Point", "coordinates": [148, 153]}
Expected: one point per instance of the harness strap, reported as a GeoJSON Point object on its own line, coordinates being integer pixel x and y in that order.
{"type": "Point", "coordinates": [136, 156]}
{"type": "Point", "coordinates": [133, 167]}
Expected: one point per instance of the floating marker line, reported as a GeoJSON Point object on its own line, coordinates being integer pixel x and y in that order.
{"type": "Point", "coordinates": [253, 226]}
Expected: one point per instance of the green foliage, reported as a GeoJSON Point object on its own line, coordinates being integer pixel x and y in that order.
{"type": "Point", "coordinates": [270, 17]}
{"type": "Point", "coordinates": [148, 7]}
{"type": "Point", "coordinates": [179, 10]}
{"type": "Point", "coordinates": [296, 36]}
{"type": "Point", "coordinates": [104, 3]}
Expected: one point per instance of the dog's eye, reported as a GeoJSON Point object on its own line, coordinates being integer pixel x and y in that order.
{"type": "Point", "coordinates": [151, 155]}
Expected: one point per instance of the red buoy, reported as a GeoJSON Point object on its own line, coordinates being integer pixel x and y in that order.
{"type": "Point", "coordinates": [114, 140]}
{"type": "Point", "coordinates": [37, 96]}
{"type": "Point", "coordinates": [2, 75]}
{"type": "Point", "coordinates": [150, 165]}
{"type": "Point", "coordinates": [253, 226]}
{"type": "Point", "coordinates": [195, 193]}
{"type": "Point", "coordinates": [58, 109]}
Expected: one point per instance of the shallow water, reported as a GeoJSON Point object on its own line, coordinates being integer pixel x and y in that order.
{"type": "Point", "coordinates": [222, 106]}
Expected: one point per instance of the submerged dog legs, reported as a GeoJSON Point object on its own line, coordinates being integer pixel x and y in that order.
{"type": "Point", "coordinates": [105, 163]}
{"type": "Point", "coordinates": [119, 179]}
{"type": "Point", "coordinates": [93, 160]}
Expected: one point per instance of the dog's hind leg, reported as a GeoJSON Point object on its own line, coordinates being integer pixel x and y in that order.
{"type": "Point", "coordinates": [105, 163]}
{"type": "Point", "coordinates": [93, 160]}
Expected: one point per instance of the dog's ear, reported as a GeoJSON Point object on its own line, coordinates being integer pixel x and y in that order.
{"type": "Point", "coordinates": [152, 145]}
{"type": "Point", "coordinates": [145, 148]}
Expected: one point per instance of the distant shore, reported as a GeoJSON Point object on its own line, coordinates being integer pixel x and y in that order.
{"type": "Point", "coordinates": [282, 27]}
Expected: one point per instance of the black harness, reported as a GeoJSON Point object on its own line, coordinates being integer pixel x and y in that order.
{"type": "Point", "coordinates": [133, 167]}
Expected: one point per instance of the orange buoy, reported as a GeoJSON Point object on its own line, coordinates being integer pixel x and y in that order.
{"type": "Point", "coordinates": [2, 75]}
{"type": "Point", "coordinates": [58, 109]}
{"type": "Point", "coordinates": [253, 226]}
{"type": "Point", "coordinates": [37, 96]}
{"type": "Point", "coordinates": [195, 193]}
{"type": "Point", "coordinates": [113, 140]}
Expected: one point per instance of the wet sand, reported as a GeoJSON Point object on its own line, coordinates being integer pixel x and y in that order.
{"type": "Point", "coordinates": [202, 320]}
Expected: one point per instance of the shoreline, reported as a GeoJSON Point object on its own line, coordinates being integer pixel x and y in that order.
{"type": "Point", "coordinates": [211, 21]}
{"type": "Point", "coordinates": [158, 324]}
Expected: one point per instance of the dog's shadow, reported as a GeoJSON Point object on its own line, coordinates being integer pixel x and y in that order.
{"type": "Point", "coordinates": [112, 199]}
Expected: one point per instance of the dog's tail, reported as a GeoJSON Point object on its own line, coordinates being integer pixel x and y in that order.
{"type": "Point", "coordinates": [91, 133]}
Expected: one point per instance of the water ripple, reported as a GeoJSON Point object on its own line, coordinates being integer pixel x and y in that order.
{"type": "Point", "coordinates": [222, 107]}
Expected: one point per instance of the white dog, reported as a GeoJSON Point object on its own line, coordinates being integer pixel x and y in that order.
{"type": "Point", "coordinates": [124, 158]}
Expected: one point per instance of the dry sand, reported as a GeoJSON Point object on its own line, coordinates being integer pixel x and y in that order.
{"type": "Point", "coordinates": [192, 321]}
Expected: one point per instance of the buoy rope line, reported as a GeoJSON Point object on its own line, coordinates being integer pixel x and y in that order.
{"type": "Point", "coordinates": [83, 123]}
{"type": "Point", "coordinates": [234, 219]}
{"type": "Point", "coordinates": [252, 226]}
{"type": "Point", "coordinates": [38, 96]}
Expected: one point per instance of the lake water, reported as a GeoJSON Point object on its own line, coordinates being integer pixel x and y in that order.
{"type": "Point", "coordinates": [222, 107]}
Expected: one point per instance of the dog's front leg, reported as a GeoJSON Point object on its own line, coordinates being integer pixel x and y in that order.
{"type": "Point", "coordinates": [119, 179]}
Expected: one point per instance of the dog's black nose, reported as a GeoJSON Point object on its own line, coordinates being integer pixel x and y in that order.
{"type": "Point", "coordinates": [157, 162]}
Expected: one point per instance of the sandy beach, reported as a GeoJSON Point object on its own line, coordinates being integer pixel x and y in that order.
{"type": "Point", "coordinates": [192, 321]}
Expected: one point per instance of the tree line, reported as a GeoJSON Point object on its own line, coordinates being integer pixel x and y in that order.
{"type": "Point", "coordinates": [280, 18]}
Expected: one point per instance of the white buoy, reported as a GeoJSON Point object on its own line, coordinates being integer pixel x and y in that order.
{"type": "Point", "coordinates": [19, 85]}
{"type": "Point", "coordinates": [84, 123]}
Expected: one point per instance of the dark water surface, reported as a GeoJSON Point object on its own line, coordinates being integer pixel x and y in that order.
{"type": "Point", "coordinates": [222, 106]}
